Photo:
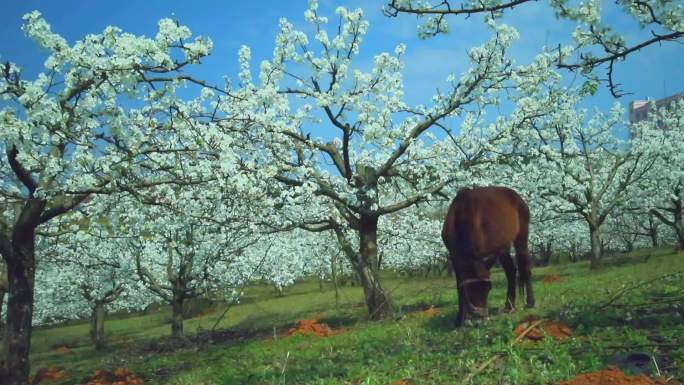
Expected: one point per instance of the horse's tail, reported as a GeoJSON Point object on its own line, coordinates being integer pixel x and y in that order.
{"type": "Point", "coordinates": [522, 257]}
{"type": "Point", "coordinates": [449, 226]}
{"type": "Point", "coordinates": [524, 274]}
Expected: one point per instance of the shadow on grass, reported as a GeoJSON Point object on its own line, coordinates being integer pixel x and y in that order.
{"type": "Point", "coordinates": [341, 320]}
{"type": "Point", "coordinates": [593, 317]}
{"type": "Point", "coordinates": [443, 322]}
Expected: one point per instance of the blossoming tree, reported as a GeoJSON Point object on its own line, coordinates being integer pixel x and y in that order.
{"type": "Point", "coordinates": [581, 166]}
{"type": "Point", "coordinates": [664, 188]}
{"type": "Point", "coordinates": [85, 273]}
{"type": "Point", "coordinates": [597, 44]}
{"type": "Point", "coordinates": [190, 241]}
{"type": "Point", "coordinates": [380, 155]}
{"type": "Point", "coordinates": [68, 134]}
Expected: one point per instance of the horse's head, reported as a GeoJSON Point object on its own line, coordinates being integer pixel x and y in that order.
{"type": "Point", "coordinates": [476, 284]}
{"type": "Point", "coordinates": [476, 291]}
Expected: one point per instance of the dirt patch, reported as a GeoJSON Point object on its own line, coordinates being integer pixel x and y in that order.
{"type": "Point", "coordinates": [554, 329]}
{"type": "Point", "coordinates": [65, 344]}
{"type": "Point", "coordinates": [403, 382]}
{"type": "Point", "coordinates": [163, 375]}
{"type": "Point", "coordinates": [63, 350]}
{"type": "Point", "coordinates": [430, 312]}
{"type": "Point", "coordinates": [421, 308]}
{"type": "Point", "coordinates": [311, 327]}
{"type": "Point", "coordinates": [124, 341]}
{"type": "Point", "coordinates": [49, 374]}
{"type": "Point", "coordinates": [120, 376]}
{"type": "Point", "coordinates": [206, 311]}
{"type": "Point", "coordinates": [552, 278]}
{"type": "Point", "coordinates": [614, 376]}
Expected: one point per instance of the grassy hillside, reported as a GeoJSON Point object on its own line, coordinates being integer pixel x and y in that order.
{"type": "Point", "coordinates": [631, 305]}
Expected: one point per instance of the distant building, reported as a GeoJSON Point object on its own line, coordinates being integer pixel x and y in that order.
{"type": "Point", "coordinates": [639, 109]}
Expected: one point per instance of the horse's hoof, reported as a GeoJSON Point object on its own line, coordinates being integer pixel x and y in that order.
{"type": "Point", "coordinates": [508, 309]}
{"type": "Point", "coordinates": [529, 305]}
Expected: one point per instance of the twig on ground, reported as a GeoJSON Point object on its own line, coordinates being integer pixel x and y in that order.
{"type": "Point", "coordinates": [499, 355]}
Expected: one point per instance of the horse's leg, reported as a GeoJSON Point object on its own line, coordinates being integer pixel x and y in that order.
{"type": "Point", "coordinates": [510, 269]}
{"type": "Point", "coordinates": [462, 310]}
{"type": "Point", "coordinates": [489, 263]}
{"type": "Point", "coordinates": [524, 262]}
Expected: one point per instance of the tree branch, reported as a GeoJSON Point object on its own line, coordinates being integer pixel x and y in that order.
{"type": "Point", "coordinates": [23, 174]}
{"type": "Point", "coordinates": [61, 209]}
{"type": "Point", "coordinates": [393, 9]}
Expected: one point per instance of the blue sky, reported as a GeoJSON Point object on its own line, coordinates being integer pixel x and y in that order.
{"type": "Point", "coordinates": [230, 24]}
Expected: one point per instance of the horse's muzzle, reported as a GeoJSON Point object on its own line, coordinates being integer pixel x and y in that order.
{"type": "Point", "coordinates": [478, 312]}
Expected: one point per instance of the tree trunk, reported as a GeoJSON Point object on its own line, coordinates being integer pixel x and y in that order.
{"type": "Point", "coordinates": [3, 291]}
{"type": "Point", "coordinates": [2, 319]}
{"type": "Point", "coordinates": [333, 270]}
{"type": "Point", "coordinates": [678, 222]}
{"type": "Point", "coordinates": [377, 300]}
{"type": "Point", "coordinates": [17, 338]}
{"type": "Point", "coordinates": [595, 239]}
{"type": "Point", "coordinates": [428, 269]}
{"type": "Point", "coordinates": [97, 319]}
{"type": "Point", "coordinates": [574, 250]}
{"type": "Point", "coordinates": [279, 290]}
{"type": "Point", "coordinates": [629, 245]}
{"type": "Point", "coordinates": [603, 248]}
{"type": "Point", "coordinates": [680, 235]}
{"type": "Point", "coordinates": [652, 231]}
{"type": "Point", "coordinates": [177, 315]}
{"type": "Point", "coordinates": [545, 253]}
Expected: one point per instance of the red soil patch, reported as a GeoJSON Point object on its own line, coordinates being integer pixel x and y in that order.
{"type": "Point", "coordinates": [120, 376]}
{"type": "Point", "coordinates": [402, 382]}
{"type": "Point", "coordinates": [552, 278]}
{"type": "Point", "coordinates": [614, 376]}
{"type": "Point", "coordinates": [311, 327]}
{"type": "Point", "coordinates": [51, 373]}
{"type": "Point", "coordinates": [556, 330]}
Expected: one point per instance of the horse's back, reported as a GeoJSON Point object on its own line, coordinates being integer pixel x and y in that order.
{"type": "Point", "coordinates": [484, 220]}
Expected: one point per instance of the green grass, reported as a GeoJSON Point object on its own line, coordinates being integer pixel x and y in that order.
{"type": "Point", "coordinates": [422, 350]}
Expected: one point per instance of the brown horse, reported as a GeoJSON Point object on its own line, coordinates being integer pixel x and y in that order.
{"type": "Point", "coordinates": [480, 227]}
